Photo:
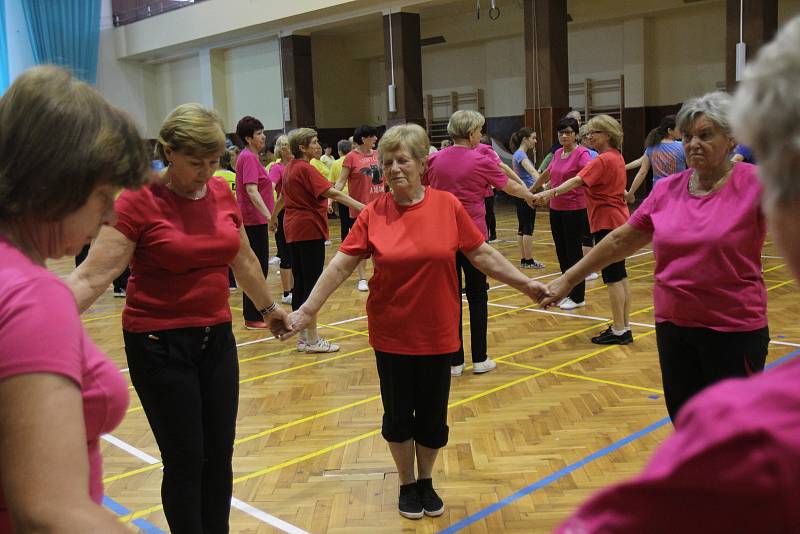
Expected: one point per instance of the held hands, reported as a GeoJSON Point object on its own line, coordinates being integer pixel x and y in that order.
{"type": "Point", "coordinates": [297, 321]}
{"type": "Point", "coordinates": [555, 291]}
{"type": "Point", "coordinates": [630, 198]}
{"type": "Point", "coordinates": [535, 290]}
{"type": "Point", "coordinates": [278, 323]}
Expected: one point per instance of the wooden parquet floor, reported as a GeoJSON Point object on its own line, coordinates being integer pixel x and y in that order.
{"type": "Point", "coordinates": [547, 423]}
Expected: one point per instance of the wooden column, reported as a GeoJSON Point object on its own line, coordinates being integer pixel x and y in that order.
{"type": "Point", "coordinates": [404, 50]}
{"type": "Point", "coordinates": [298, 80]}
{"type": "Point", "coordinates": [760, 22]}
{"type": "Point", "coordinates": [546, 67]}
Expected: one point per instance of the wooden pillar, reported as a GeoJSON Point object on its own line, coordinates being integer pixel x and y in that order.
{"type": "Point", "coordinates": [546, 67]}
{"type": "Point", "coordinates": [298, 80]}
{"type": "Point", "coordinates": [401, 35]}
{"type": "Point", "coordinates": [759, 21]}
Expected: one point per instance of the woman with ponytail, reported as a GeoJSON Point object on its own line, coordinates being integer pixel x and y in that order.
{"type": "Point", "coordinates": [523, 141]}
{"type": "Point", "coordinates": [663, 151]}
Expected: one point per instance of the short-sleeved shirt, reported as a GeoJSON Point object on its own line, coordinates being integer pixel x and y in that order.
{"type": "Point", "coordinates": [561, 170]}
{"type": "Point", "coordinates": [250, 171]}
{"type": "Point", "coordinates": [228, 176]}
{"type": "Point", "coordinates": [732, 465]}
{"type": "Point", "coordinates": [519, 157]}
{"type": "Point", "coordinates": [465, 173]}
{"type": "Point", "coordinates": [274, 174]}
{"type": "Point", "coordinates": [414, 301]}
{"type": "Point", "coordinates": [746, 153]}
{"type": "Point", "coordinates": [605, 179]}
{"type": "Point", "coordinates": [666, 159]}
{"type": "Point", "coordinates": [179, 269]}
{"type": "Point", "coordinates": [41, 332]}
{"type": "Point", "coordinates": [708, 252]}
{"type": "Point", "coordinates": [336, 171]}
{"type": "Point", "coordinates": [305, 209]}
{"type": "Point", "coordinates": [489, 152]}
{"type": "Point", "coordinates": [365, 181]}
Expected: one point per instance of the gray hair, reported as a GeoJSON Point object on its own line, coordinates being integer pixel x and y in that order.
{"type": "Point", "coordinates": [344, 146]}
{"type": "Point", "coordinates": [766, 114]}
{"type": "Point", "coordinates": [463, 122]}
{"type": "Point", "coordinates": [714, 106]}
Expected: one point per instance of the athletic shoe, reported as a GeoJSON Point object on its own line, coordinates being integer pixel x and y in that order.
{"type": "Point", "coordinates": [362, 285]}
{"type": "Point", "coordinates": [119, 293]}
{"type": "Point", "coordinates": [233, 288]}
{"type": "Point", "coordinates": [608, 337]}
{"type": "Point", "coordinates": [456, 370]}
{"type": "Point", "coordinates": [286, 299]}
{"type": "Point", "coordinates": [523, 264]}
{"type": "Point", "coordinates": [535, 264]}
{"type": "Point", "coordinates": [328, 243]}
{"type": "Point", "coordinates": [274, 260]}
{"type": "Point", "coordinates": [322, 345]}
{"type": "Point", "coordinates": [492, 240]}
{"type": "Point", "coordinates": [432, 504]}
{"type": "Point", "coordinates": [409, 504]}
{"type": "Point", "coordinates": [592, 277]}
{"type": "Point", "coordinates": [569, 304]}
{"type": "Point", "coordinates": [255, 325]}
{"type": "Point", "coordinates": [301, 345]}
{"type": "Point", "coordinates": [483, 367]}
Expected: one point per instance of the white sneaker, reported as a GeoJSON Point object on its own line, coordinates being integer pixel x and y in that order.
{"type": "Point", "coordinates": [328, 243]}
{"type": "Point", "coordinates": [484, 367]}
{"type": "Point", "coordinates": [322, 345]}
{"type": "Point", "coordinates": [274, 260]}
{"type": "Point", "coordinates": [592, 277]}
{"type": "Point", "coordinates": [287, 299]}
{"type": "Point", "coordinates": [569, 304]}
{"type": "Point", "coordinates": [456, 370]}
{"type": "Point", "coordinates": [362, 285]}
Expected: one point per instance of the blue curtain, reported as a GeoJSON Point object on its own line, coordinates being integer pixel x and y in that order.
{"type": "Point", "coordinates": [65, 32]}
{"type": "Point", "coordinates": [3, 49]}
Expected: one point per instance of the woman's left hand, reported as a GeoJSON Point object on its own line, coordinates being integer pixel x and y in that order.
{"type": "Point", "coordinates": [298, 320]}
{"type": "Point", "coordinates": [535, 290]}
{"type": "Point", "coordinates": [278, 322]}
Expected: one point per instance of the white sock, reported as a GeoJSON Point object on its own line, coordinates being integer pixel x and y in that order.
{"type": "Point", "coordinates": [627, 328]}
{"type": "Point", "coordinates": [617, 332]}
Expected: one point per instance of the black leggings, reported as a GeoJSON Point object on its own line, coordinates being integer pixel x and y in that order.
{"type": "Point", "coordinates": [344, 218]}
{"type": "Point", "coordinates": [188, 382]}
{"type": "Point", "coordinates": [477, 298]}
{"type": "Point", "coordinates": [308, 259]}
{"type": "Point", "coordinates": [526, 217]}
{"type": "Point", "coordinates": [280, 243]}
{"type": "Point", "coordinates": [567, 228]}
{"type": "Point", "coordinates": [491, 220]}
{"type": "Point", "coordinates": [259, 241]}
{"type": "Point", "coordinates": [694, 358]}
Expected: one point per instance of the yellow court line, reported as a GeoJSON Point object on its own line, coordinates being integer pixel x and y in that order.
{"type": "Point", "coordinates": [100, 318]}
{"type": "Point", "coordinates": [585, 377]}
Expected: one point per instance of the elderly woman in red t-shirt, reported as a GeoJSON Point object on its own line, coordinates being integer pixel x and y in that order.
{"type": "Point", "coordinates": [604, 179]}
{"type": "Point", "coordinates": [413, 307]}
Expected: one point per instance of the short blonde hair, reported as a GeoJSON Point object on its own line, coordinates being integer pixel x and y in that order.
{"type": "Point", "coordinates": [607, 124]}
{"type": "Point", "coordinates": [280, 143]}
{"type": "Point", "coordinates": [300, 137]}
{"type": "Point", "coordinates": [409, 137]}
{"type": "Point", "coordinates": [191, 129]}
{"type": "Point", "coordinates": [463, 122]}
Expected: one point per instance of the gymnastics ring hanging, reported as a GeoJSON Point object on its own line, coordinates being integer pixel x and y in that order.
{"type": "Point", "coordinates": [494, 11]}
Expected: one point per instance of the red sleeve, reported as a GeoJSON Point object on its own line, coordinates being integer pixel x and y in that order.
{"type": "Point", "coordinates": [357, 241]}
{"type": "Point", "coordinates": [348, 161]}
{"type": "Point", "coordinates": [593, 172]}
{"type": "Point", "coordinates": [128, 206]}
{"type": "Point", "coordinates": [469, 237]}
{"type": "Point", "coordinates": [317, 183]}
{"type": "Point", "coordinates": [249, 169]}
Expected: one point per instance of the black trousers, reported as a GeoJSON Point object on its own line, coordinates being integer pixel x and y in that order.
{"type": "Point", "coordinates": [694, 358]}
{"type": "Point", "coordinates": [567, 228]}
{"type": "Point", "coordinates": [188, 382]}
{"type": "Point", "coordinates": [308, 259]}
{"type": "Point", "coordinates": [344, 218]}
{"type": "Point", "coordinates": [259, 241]}
{"type": "Point", "coordinates": [526, 217]}
{"type": "Point", "coordinates": [414, 391]}
{"type": "Point", "coordinates": [280, 243]}
{"type": "Point", "coordinates": [491, 220]}
{"type": "Point", "coordinates": [477, 299]}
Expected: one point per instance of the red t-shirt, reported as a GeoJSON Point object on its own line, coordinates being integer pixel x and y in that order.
{"type": "Point", "coordinates": [305, 209]}
{"type": "Point", "coordinates": [605, 180]}
{"type": "Point", "coordinates": [179, 270]}
{"type": "Point", "coordinates": [414, 299]}
{"type": "Point", "coordinates": [365, 182]}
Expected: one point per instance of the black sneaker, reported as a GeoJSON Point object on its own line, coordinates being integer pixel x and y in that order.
{"type": "Point", "coordinates": [410, 505]}
{"type": "Point", "coordinates": [608, 337]}
{"type": "Point", "coordinates": [432, 504]}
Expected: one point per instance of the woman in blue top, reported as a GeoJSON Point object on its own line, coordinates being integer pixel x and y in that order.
{"type": "Point", "coordinates": [523, 141]}
{"type": "Point", "coordinates": [663, 151]}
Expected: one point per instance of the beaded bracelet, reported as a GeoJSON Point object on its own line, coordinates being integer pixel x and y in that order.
{"type": "Point", "coordinates": [269, 309]}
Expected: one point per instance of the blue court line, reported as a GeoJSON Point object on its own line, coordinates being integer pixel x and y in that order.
{"type": "Point", "coordinates": [546, 481]}
{"type": "Point", "coordinates": [144, 525]}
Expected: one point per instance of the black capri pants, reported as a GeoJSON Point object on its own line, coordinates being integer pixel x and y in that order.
{"type": "Point", "coordinates": [526, 217]}
{"type": "Point", "coordinates": [567, 227]}
{"type": "Point", "coordinates": [616, 271]}
{"type": "Point", "coordinates": [308, 259]}
{"type": "Point", "coordinates": [346, 221]}
{"type": "Point", "coordinates": [414, 391]}
{"type": "Point", "coordinates": [694, 358]}
{"type": "Point", "coordinates": [258, 235]}
{"type": "Point", "coordinates": [280, 243]}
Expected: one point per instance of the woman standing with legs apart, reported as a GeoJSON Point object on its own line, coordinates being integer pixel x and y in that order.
{"type": "Point", "coordinates": [707, 230]}
{"type": "Point", "coordinates": [58, 392]}
{"type": "Point", "coordinates": [413, 307]}
{"type": "Point", "coordinates": [523, 142]}
{"type": "Point", "coordinates": [182, 233]}
{"type": "Point", "coordinates": [465, 172]}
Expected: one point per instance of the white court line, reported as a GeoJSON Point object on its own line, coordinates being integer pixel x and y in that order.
{"type": "Point", "coordinates": [786, 343]}
{"type": "Point", "coordinates": [124, 370]}
{"type": "Point", "coordinates": [249, 509]}
{"type": "Point", "coordinates": [772, 257]}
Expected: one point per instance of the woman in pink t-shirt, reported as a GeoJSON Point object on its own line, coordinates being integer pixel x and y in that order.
{"type": "Point", "coordinates": [275, 173]}
{"type": "Point", "coordinates": [58, 392]}
{"type": "Point", "coordinates": [707, 230]}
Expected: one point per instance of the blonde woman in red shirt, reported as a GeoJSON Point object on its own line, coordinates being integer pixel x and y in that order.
{"type": "Point", "coordinates": [413, 306]}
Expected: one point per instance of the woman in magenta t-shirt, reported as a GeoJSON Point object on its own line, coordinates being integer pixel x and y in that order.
{"type": "Point", "coordinates": [58, 392]}
{"type": "Point", "coordinates": [707, 230]}
{"type": "Point", "coordinates": [275, 173]}
{"type": "Point", "coordinates": [413, 304]}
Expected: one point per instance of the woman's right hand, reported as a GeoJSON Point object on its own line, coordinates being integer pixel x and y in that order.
{"type": "Point", "coordinates": [630, 198]}
{"type": "Point", "coordinates": [556, 291]}
{"type": "Point", "coordinates": [297, 321]}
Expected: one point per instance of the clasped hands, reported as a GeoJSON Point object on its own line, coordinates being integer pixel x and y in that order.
{"type": "Point", "coordinates": [547, 295]}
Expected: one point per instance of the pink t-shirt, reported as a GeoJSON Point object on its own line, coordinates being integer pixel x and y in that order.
{"type": "Point", "coordinates": [708, 252]}
{"type": "Point", "coordinates": [465, 173]}
{"type": "Point", "coordinates": [275, 173]}
{"type": "Point", "coordinates": [733, 465]}
{"type": "Point", "coordinates": [489, 152]}
{"type": "Point", "coordinates": [41, 332]}
{"type": "Point", "coordinates": [250, 171]}
{"type": "Point", "coordinates": [562, 170]}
